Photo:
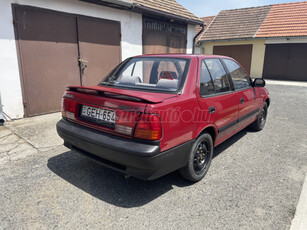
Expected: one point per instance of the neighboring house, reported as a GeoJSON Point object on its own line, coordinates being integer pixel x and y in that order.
{"type": "Point", "coordinates": [48, 45]}
{"type": "Point", "coordinates": [269, 41]}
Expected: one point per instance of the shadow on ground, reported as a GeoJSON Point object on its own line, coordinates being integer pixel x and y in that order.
{"type": "Point", "coordinates": [111, 187]}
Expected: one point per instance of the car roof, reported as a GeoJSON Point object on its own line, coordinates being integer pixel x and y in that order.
{"type": "Point", "coordinates": [183, 55]}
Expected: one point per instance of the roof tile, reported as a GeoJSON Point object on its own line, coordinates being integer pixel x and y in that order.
{"type": "Point", "coordinates": [236, 24]}
{"type": "Point", "coordinates": [207, 21]}
{"type": "Point", "coordinates": [285, 20]}
{"type": "Point", "coordinates": [168, 6]}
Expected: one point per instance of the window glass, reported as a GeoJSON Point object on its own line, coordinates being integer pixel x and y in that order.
{"type": "Point", "coordinates": [149, 73]}
{"type": "Point", "coordinates": [169, 70]}
{"type": "Point", "coordinates": [239, 77]}
{"type": "Point", "coordinates": [206, 83]}
{"type": "Point", "coordinates": [218, 74]}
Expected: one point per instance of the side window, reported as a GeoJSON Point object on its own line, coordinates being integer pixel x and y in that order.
{"type": "Point", "coordinates": [206, 83]}
{"type": "Point", "coordinates": [218, 74]}
{"type": "Point", "coordinates": [239, 77]}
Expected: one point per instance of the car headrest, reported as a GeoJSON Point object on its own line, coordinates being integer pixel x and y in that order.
{"type": "Point", "coordinates": [167, 75]}
{"type": "Point", "coordinates": [130, 80]}
{"type": "Point", "coordinates": [167, 84]}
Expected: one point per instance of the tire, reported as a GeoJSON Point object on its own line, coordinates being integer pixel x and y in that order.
{"type": "Point", "coordinates": [258, 124]}
{"type": "Point", "coordinates": [199, 159]}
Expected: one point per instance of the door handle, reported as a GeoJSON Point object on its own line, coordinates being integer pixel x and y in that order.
{"type": "Point", "coordinates": [211, 110]}
{"type": "Point", "coordinates": [82, 64]}
{"type": "Point", "coordinates": [242, 100]}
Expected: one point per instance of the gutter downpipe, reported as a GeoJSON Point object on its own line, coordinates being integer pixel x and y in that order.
{"type": "Point", "coordinates": [194, 39]}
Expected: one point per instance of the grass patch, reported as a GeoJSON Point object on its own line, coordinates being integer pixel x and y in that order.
{"type": "Point", "coordinates": [292, 211]}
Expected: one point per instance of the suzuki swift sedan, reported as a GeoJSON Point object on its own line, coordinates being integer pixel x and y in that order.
{"type": "Point", "coordinates": [155, 114]}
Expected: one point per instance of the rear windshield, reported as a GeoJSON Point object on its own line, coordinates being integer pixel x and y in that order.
{"type": "Point", "coordinates": [149, 73]}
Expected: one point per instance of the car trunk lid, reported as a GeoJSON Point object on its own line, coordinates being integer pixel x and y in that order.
{"type": "Point", "coordinates": [107, 109]}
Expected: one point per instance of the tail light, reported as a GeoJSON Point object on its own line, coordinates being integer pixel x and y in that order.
{"type": "Point", "coordinates": [149, 127]}
{"type": "Point", "coordinates": [125, 122]}
{"type": "Point", "coordinates": [68, 108]}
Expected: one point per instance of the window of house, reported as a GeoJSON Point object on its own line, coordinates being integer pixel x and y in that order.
{"type": "Point", "coordinates": [239, 76]}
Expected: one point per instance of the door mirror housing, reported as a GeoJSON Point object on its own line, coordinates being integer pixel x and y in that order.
{"type": "Point", "coordinates": [259, 82]}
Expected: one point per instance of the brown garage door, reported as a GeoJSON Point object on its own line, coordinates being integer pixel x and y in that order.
{"type": "Point", "coordinates": [99, 44]}
{"type": "Point", "coordinates": [49, 50]}
{"type": "Point", "coordinates": [285, 62]}
{"type": "Point", "coordinates": [162, 37]}
{"type": "Point", "coordinates": [241, 53]}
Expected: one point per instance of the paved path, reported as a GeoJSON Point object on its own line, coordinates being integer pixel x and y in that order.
{"type": "Point", "coordinates": [254, 182]}
{"type": "Point", "coordinates": [12, 147]}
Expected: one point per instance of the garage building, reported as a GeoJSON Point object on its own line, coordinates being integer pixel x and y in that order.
{"type": "Point", "coordinates": [48, 45]}
{"type": "Point", "coordinates": [269, 41]}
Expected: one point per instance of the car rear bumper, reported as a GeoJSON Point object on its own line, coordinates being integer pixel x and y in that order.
{"type": "Point", "coordinates": [138, 159]}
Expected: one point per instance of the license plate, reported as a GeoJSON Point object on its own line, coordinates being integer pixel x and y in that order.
{"type": "Point", "coordinates": [98, 115]}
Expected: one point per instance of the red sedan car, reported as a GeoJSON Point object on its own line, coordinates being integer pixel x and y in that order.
{"type": "Point", "coordinates": [155, 114]}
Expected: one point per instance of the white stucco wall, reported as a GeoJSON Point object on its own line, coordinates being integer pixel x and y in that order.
{"type": "Point", "coordinates": [190, 36]}
{"type": "Point", "coordinates": [10, 87]}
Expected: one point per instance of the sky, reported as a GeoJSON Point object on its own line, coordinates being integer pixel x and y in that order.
{"type": "Point", "coordinates": [203, 8]}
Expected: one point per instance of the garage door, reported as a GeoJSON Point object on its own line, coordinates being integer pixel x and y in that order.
{"type": "Point", "coordinates": [285, 62]}
{"type": "Point", "coordinates": [99, 45]}
{"type": "Point", "coordinates": [50, 46]}
{"type": "Point", "coordinates": [162, 37]}
{"type": "Point", "coordinates": [241, 53]}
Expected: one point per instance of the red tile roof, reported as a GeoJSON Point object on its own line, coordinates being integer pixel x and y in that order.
{"type": "Point", "coordinates": [278, 20]}
{"type": "Point", "coordinates": [207, 21]}
{"type": "Point", "coordinates": [168, 6]}
{"type": "Point", "coordinates": [285, 20]}
{"type": "Point", "coordinates": [236, 24]}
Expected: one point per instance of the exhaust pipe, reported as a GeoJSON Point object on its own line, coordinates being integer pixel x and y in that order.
{"type": "Point", "coordinates": [1, 113]}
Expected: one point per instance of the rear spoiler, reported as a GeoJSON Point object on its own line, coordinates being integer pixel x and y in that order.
{"type": "Point", "coordinates": [118, 93]}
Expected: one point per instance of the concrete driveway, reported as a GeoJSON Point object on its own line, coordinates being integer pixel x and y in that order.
{"type": "Point", "coordinates": [254, 181]}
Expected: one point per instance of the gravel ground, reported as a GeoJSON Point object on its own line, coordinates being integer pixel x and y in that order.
{"type": "Point", "coordinates": [254, 182]}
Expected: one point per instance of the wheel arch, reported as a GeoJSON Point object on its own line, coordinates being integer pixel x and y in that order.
{"type": "Point", "coordinates": [267, 100]}
{"type": "Point", "coordinates": [211, 130]}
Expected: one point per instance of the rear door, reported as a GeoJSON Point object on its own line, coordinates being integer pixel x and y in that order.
{"type": "Point", "coordinates": [217, 99]}
{"type": "Point", "coordinates": [246, 97]}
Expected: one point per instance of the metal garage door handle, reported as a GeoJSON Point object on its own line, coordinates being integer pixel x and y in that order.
{"type": "Point", "coordinates": [82, 64]}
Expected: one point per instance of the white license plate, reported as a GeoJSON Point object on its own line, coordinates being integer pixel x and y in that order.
{"type": "Point", "coordinates": [102, 115]}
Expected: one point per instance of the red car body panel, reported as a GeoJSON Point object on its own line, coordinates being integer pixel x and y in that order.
{"type": "Point", "coordinates": [184, 115]}
{"type": "Point", "coordinates": [146, 96]}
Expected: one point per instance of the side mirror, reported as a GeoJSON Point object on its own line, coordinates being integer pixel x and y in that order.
{"type": "Point", "coordinates": [259, 82]}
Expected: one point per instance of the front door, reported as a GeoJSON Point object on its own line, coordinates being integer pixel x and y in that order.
{"type": "Point", "coordinates": [246, 97]}
{"type": "Point", "coordinates": [217, 99]}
